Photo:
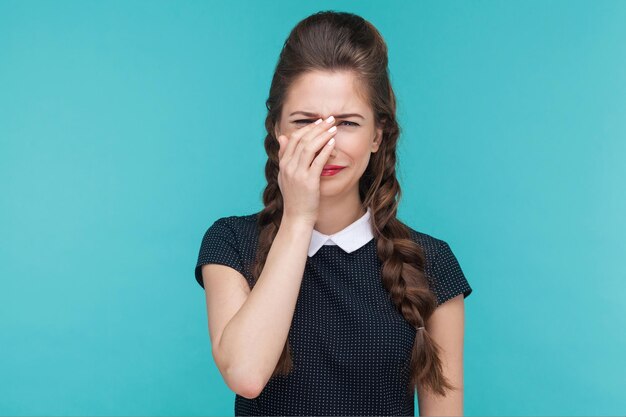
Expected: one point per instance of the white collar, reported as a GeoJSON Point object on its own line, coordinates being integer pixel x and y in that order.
{"type": "Point", "coordinates": [351, 238]}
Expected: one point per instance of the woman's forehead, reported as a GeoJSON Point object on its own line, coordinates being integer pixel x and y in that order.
{"type": "Point", "coordinates": [325, 94]}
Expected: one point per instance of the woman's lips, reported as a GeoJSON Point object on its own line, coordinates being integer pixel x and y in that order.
{"type": "Point", "coordinates": [327, 167]}
{"type": "Point", "coordinates": [331, 171]}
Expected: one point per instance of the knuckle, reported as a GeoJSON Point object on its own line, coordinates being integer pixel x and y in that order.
{"type": "Point", "coordinates": [309, 147]}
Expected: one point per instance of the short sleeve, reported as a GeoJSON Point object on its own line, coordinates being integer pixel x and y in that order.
{"type": "Point", "coordinates": [448, 278]}
{"type": "Point", "coordinates": [219, 246]}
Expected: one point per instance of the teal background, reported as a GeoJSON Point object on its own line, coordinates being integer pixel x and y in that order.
{"type": "Point", "coordinates": [127, 128]}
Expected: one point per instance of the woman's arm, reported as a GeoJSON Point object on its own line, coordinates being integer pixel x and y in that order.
{"type": "Point", "coordinates": [251, 344]}
{"type": "Point", "coordinates": [446, 327]}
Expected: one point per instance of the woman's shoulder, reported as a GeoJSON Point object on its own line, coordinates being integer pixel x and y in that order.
{"type": "Point", "coordinates": [428, 242]}
{"type": "Point", "coordinates": [238, 220]}
{"type": "Point", "coordinates": [242, 227]}
{"type": "Point", "coordinates": [230, 240]}
{"type": "Point", "coordinates": [442, 267]}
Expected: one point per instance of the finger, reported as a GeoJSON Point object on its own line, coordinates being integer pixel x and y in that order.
{"type": "Point", "coordinates": [309, 148]}
{"type": "Point", "coordinates": [281, 145]}
{"type": "Point", "coordinates": [320, 160]}
{"type": "Point", "coordinates": [311, 135]}
{"type": "Point", "coordinates": [284, 144]}
{"type": "Point", "coordinates": [292, 142]}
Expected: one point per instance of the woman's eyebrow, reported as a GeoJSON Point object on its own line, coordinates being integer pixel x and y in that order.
{"type": "Point", "coordinates": [338, 116]}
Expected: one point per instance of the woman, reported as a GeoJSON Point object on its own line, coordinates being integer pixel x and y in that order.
{"type": "Point", "coordinates": [324, 302]}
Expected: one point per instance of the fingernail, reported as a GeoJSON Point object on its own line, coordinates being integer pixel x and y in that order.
{"type": "Point", "coordinates": [330, 142]}
{"type": "Point", "coordinates": [330, 119]}
{"type": "Point", "coordinates": [318, 121]}
{"type": "Point", "coordinates": [332, 129]}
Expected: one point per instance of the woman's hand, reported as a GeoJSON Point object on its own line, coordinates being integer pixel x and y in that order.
{"type": "Point", "coordinates": [300, 168]}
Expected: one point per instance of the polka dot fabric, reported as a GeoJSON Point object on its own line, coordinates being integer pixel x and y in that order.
{"type": "Point", "coordinates": [351, 348]}
{"type": "Point", "coordinates": [228, 242]}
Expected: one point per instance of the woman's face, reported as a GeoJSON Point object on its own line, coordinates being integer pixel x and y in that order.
{"type": "Point", "coordinates": [321, 94]}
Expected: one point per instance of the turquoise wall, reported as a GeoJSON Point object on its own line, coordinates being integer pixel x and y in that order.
{"type": "Point", "coordinates": [127, 128]}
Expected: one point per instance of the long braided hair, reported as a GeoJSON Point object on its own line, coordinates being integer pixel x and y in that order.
{"type": "Point", "coordinates": [333, 41]}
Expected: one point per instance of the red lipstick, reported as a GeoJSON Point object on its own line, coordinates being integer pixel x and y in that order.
{"type": "Point", "coordinates": [331, 170]}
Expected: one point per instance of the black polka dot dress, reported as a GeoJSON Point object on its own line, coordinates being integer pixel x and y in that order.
{"type": "Point", "coordinates": [350, 346]}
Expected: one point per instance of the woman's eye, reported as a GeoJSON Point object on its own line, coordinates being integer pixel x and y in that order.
{"type": "Point", "coordinates": [351, 123]}
{"type": "Point", "coordinates": [311, 121]}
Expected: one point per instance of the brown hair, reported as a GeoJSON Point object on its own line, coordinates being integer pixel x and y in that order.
{"type": "Point", "coordinates": [340, 41]}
